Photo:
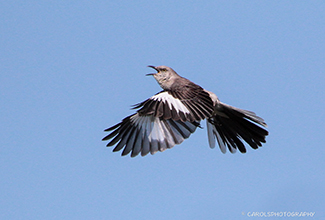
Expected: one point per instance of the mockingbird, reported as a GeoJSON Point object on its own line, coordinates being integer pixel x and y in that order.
{"type": "Point", "coordinates": [170, 116]}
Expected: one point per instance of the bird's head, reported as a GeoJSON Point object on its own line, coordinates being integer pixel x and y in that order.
{"type": "Point", "coordinates": [164, 75]}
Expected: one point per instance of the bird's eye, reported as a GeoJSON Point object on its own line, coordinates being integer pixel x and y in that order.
{"type": "Point", "coordinates": [163, 69]}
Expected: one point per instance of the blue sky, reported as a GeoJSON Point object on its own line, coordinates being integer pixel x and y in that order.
{"type": "Point", "coordinates": [70, 69]}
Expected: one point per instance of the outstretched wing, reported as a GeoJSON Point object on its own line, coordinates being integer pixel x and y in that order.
{"type": "Point", "coordinates": [162, 121]}
{"type": "Point", "coordinates": [148, 133]}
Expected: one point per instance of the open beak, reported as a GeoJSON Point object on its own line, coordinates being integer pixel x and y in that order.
{"type": "Point", "coordinates": [151, 74]}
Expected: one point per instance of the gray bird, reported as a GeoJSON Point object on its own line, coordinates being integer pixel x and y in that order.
{"type": "Point", "coordinates": [173, 114]}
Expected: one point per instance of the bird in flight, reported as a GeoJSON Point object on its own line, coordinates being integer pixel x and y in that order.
{"type": "Point", "coordinates": [172, 115]}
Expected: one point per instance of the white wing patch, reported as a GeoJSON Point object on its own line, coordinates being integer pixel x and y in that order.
{"type": "Point", "coordinates": [176, 103]}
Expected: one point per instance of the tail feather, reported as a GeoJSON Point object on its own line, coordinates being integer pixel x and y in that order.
{"type": "Point", "coordinates": [233, 126]}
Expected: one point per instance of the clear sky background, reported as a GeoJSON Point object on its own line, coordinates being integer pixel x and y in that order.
{"type": "Point", "coordinates": [70, 69]}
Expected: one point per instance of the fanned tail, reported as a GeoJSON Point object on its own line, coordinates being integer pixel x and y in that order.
{"type": "Point", "coordinates": [231, 127]}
